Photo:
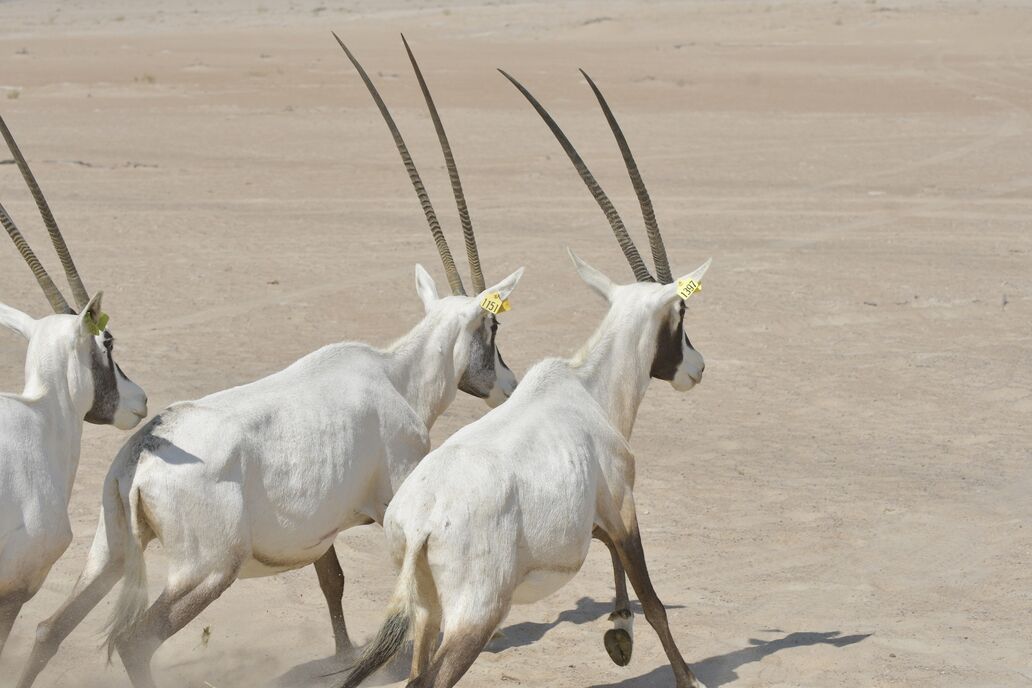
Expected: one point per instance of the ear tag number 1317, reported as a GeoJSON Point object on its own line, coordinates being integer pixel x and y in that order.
{"type": "Point", "coordinates": [494, 304]}
{"type": "Point", "coordinates": [687, 287]}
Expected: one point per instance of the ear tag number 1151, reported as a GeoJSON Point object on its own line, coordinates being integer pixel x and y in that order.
{"type": "Point", "coordinates": [494, 304]}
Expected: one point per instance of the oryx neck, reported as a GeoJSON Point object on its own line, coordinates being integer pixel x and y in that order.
{"type": "Point", "coordinates": [54, 382]}
{"type": "Point", "coordinates": [421, 366]}
{"type": "Point", "coordinates": [50, 394]}
{"type": "Point", "coordinates": [614, 367]}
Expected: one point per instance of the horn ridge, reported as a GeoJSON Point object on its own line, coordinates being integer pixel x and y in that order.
{"type": "Point", "coordinates": [659, 254]}
{"type": "Point", "coordinates": [53, 294]}
{"type": "Point", "coordinates": [472, 254]}
{"type": "Point", "coordinates": [641, 272]}
{"type": "Point", "coordinates": [454, 279]}
{"type": "Point", "coordinates": [79, 292]}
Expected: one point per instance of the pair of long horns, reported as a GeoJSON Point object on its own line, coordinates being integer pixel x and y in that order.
{"type": "Point", "coordinates": [472, 255]}
{"type": "Point", "coordinates": [53, 294]}
{"type": "Point", "coordinates": [659, 254]}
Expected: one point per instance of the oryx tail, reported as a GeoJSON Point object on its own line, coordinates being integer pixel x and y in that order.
{"type": "Point", "coordinates": [395, 627]}
{"type": "Point", "coordinates": [124, 530]}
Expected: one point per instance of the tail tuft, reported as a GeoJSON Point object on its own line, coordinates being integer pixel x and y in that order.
{"type": "Point", "coordinates": [387, 643]}
{"type": "Point", "coordinates": [395, 627]}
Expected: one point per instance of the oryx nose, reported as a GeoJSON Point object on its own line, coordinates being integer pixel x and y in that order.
{"type": "Point", "coordinates": [697, 378]}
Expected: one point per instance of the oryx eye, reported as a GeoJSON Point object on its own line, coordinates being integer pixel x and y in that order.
{"type": "Point", "coordinates": [109, 343]}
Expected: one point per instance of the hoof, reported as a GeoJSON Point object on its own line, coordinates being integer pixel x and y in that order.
{"type": "Point", "coordinates": [619, 646]}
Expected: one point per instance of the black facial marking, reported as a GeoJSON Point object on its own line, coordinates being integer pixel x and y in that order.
{"type": "Point", "coordinates": [668, 347]}
{"type": "Point", "coordinates": [105, 383]}
{"type": "Point", "coordinates": [479, 376]}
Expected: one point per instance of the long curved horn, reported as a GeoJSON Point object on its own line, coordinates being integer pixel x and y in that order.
{"type": "Point", "coordinates": [472, 255]}
{"type": "Point", "coordinates": [57, 301]}
{"type": "Point", "coordinates": [641, 272]}
{"type": "Point", "coordinates": [659, 254]}
{"type": "Point", "coordinates": [454, 279]}
{"type": "Point", "coordinates": [79, 292]}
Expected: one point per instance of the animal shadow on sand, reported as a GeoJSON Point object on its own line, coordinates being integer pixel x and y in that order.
{"type": "Point", "coordinates": [720, 669]}
{"type": "Point", "coordinates": [527, 632]}
{"type": "Point", "coordinates": [331, 671]}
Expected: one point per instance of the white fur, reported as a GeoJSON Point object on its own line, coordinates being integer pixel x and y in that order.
{"type": "Point", "coordinates": [260, 479]}
{"type": "Point", "coordinates": [40, 433]}
{"type": "Point", "coordinates": [506, 506]}
{"type": "Point", "coordinates": [624, 623]}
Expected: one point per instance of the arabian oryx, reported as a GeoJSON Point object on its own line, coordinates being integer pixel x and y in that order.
{"type": "Point", "coordinates": [503, 511]}
{"type": "Point", "coordinates": [259, 479]}
{"type": "Point", "coordinates": [70, 376]}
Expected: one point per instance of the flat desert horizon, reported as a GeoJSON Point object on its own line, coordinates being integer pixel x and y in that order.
{"type": "Point", "coordinates": [845, 500]}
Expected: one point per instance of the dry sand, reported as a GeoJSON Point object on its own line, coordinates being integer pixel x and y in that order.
{"type": "Point", "coordinates": [844, 501]}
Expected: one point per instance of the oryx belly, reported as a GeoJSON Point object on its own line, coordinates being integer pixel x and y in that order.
{"type": "Point", "coordinates": [556, 533]}
{"type": "Point", "coordinates": [538, 584]}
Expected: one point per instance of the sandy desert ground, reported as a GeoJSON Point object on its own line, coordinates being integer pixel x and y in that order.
{"type": "Point", "coordinates": [847, 498]}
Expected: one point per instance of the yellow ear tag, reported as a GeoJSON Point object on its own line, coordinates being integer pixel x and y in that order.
{"type": "Point", "coordinates": [97, 326]}
{"type": "Point", "coordinates": [494, 304]}
{"type": "Point", "coordinates": [686, 288]}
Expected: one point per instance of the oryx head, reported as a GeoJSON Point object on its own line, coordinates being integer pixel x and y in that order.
{"type": "Point", "coordinates": [482, 372]}
{"type": "Point", "coordinates": [75, 345]}
{"type": "Point", "coordinates": [654, 306]}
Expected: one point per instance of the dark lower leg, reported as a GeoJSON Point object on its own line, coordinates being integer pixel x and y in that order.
{"type": "Point", "coordinates": [619, 640]}
{"type": "Point", "coordinates": [166, 617]}
{"type": "Point", "coordinates": [456, 655]}
{"type": "Point", "coordinates": [10, 606]}
{"type": "Point", "coordinates": [632, 555]}
{"type": "Point", "coordinates": [331, 581]}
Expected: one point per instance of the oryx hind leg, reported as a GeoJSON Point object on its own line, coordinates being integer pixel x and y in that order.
{"type": "Point", "coordinates": [179, 603]}
{"type": "Point", "coordinates": [618, 640]}
{"type": "Point", "coordinates": [10, 605]}
{"type": "Point", "coordinates": [459, 649]}
{"type": "Point", "coordinates": [331, 581]}
{"type": "Point", "coordinates": [102, 571]}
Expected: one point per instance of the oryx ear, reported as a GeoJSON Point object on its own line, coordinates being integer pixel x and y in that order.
{"type": "Point", "coordinates": [425, 287]}
{"type": "Point", "coordinates": [92, 317]}
{"type": "Point", "coordinates": [592, 277]}
{"type": "Point", "coordinates": [503, 288]}
{"type": "Point", "coordinates": [16, 321]}
{"type": "Point", "coordinates": [693, 276]}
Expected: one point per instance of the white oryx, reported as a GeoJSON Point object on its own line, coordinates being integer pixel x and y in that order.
{"type": "Point", "coordinates": [259, 479]}
{"type": "Point", "coordinates": [503, 512]}
{"type": "Point", "coordinates": [70, 376]}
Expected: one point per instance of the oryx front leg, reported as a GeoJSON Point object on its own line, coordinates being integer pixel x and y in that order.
{"type": "Point", "coordinates": [331, 581]}
{"type": "Point", "coordinates": [618, 640]}
{"type": "Point", "coordinates": [632, 556]}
